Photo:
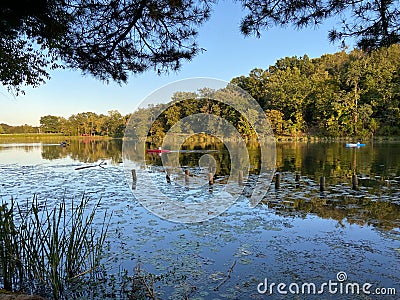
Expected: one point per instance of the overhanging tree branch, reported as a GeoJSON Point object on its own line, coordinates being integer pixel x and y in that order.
{"type": "Point", "coordinates": [109, 39]}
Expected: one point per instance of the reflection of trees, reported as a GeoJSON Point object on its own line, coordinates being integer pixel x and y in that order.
{"type": "Point", "coordinates": [86, 150]}
{"type": "Point", "coordinates": [385, 215]}
{"type": "Point", "coordinates": [313, 160]}
{"type": "Point", "coordinates": [51, 152]}
{"type": "Point", "coordinates": [224, 159]}
{"type": "Point", "coordinates": [372, 163]}
{"type": "Point", "coordinates": [332, 160]}
{"type": "Point", "coordinates": [221, 156]}
{"type": "Point", "coordinates": [336, 162]}
{"type": "Point", "coordinates": [26, 148]}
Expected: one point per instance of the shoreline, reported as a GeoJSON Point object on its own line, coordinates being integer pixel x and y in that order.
{"type": "Point", "coordinates": [49, 136]}
{"type": "Point", "coordinates": [278, 139]}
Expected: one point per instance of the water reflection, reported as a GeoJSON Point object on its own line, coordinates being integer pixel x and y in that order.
{"type": "Point", "coordinates": [297, 233]}
{"type": "Point", "coordinates": [340, 202]}
{"type": "Point", "coordinates": [376, 201]}
{"type": "Point", "coordinates": [333, 160]}
{"type": "Point", "coordinates": [87, 151]}
{"type": "Point", "coordinates": [377, 166]}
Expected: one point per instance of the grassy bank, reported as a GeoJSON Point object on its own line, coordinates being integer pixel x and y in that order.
{"type": "Point", "coordinates": [44, 137]}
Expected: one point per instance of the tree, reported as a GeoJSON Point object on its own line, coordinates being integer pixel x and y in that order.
{"type": "Point", "coordinates": [115, 124]}
{"type": "Point", "coordinates": [275, 118]}
{"type": "Point", "coordinates": [111, 38]}
{"type": "Point", "coordinates": [50, 124]}
{"type": "Point", "coordinates": [372, 23]}
{"type": "Point", "coordinates": [339, 94]}
{"type": "Point", "coordinates": [64, 126]}
{"type": "Point", "coordinates": [106, 39]}
{"type": "Point", "coordinates": [254, 84]}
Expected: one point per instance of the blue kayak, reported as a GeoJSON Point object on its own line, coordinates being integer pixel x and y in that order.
{"type": "Point", "coordinates": [351, 145]}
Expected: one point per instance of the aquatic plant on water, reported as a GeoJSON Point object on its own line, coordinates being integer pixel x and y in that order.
{"type": "Point", "coordinates": [48, 251]}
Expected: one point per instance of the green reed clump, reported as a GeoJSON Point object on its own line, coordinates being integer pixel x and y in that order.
{"type": "Point", "coordinates": [49, 250]}
{"type": "Point", "coordinates": [10, 250]}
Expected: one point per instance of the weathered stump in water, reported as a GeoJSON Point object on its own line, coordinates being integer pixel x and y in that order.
{"type": "Point", "coordinates": [187, 174]}
{"type": "Point", "coordinates": [322, 183]}
{"type": "Point", "coordinates": [210, 178]}
{"type": "Point", "coordinates": [297, 179]}
{"type": "Point", "coordinates": [168, 177]}
{"type": "Point", "coordinates": [134, 177]}
{"type": "Point", "coordinates": [354, 182]}
{"type": "Point", "coordinates": [277, 180]}
{"type": "Point", "coordinates": [240, 177]}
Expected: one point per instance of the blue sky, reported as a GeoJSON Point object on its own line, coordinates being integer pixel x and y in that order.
{"type": "Point", "coordinates": [229, 54]}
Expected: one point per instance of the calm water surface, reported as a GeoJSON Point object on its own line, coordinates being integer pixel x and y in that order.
{"type": "Point", "coordinates": [296, 234]}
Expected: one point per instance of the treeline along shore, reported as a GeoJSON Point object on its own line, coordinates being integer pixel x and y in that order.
{"type": "Point", "coordinates": [346, 94]}
{"type": "Point", "coordinates": [81, 124]}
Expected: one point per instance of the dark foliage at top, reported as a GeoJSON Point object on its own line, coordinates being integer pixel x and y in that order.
{"type": "Point", "coordinates": [372, 23]}
{"type": "Point", "coordinates": [106, 38]}
{"type": "Point", "coordinates": [110, 39]}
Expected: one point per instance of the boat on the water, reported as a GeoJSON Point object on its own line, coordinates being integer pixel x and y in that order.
{"type": "Point", "coordinates": [157, 151]}
{"type": "Point", "coordinates": [354, 145]}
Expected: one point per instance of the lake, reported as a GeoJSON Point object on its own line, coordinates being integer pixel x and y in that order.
{"type": "Point", "coordinates": [296, 234]}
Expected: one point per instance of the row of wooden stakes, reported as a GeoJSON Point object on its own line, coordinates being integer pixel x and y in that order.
{"type": "Point", "coordinates": [187, 177]}
{"type": "Point", "coordinates": [322, 184]}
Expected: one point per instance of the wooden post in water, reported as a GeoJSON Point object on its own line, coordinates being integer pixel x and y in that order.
{"type": "Point", "coordinates": [240, 177]}
{"type": "Point", "coordinates": [168, 177]}
{"type": "Point", "coordinates": [134, 178]}
{"type": "Point", "coordinates": [210, 178]}
{"type": "Point", "coordinates": [297, 179]}
{"type": "Point", "coordinates": [354, 181]}
{"type": "Point", "coordinates": [277, 180]}
{"type": "Point", "coordinates": [187, 174]}
{"type": "Point", "coordinates": [322, 183]}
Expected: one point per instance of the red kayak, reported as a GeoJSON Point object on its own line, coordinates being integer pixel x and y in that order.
{"type": "Point", "coordinates": [157, 151]}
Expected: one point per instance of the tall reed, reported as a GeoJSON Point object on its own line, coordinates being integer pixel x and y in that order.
{"type": "Point", "coordinates": [11, 270]}
{"type": "Point", "coordinates": [49, 250]}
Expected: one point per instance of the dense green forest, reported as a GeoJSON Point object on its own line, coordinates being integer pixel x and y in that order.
{"type": "Point", "coordinates": [341, 94]}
